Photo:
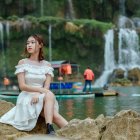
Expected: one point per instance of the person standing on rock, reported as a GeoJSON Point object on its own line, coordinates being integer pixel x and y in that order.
{"type": "Point", "coordinates": [89, 77]}
{"type": "Point", "coordinates": [34, 76]}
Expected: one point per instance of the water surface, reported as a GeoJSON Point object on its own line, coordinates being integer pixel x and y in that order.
{"type": "Point", "coordinates": [82, 108]}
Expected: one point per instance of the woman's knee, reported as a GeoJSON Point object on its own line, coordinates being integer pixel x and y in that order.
{"type": "Point", "coordinates": [49, 96]}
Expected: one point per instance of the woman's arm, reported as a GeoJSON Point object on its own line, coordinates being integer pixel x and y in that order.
{"type": "Point", "coordinates": [24, 87]}
{"type": "Point", "coordinates": [21, 81]}
{"type": "Point", "coordinates": [47, 82]}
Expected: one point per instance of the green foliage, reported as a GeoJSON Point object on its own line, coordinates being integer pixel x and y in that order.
{"type": "Point", "coordinates": [1, 18]}
{"type": "Point", "coordinates": [13, 18]}
{"type": "Point", "coordinates": [123, 81]}
{"type": "Point", "coordinates": [80, 41]}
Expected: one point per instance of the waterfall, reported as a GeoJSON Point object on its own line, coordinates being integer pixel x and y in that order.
{"type": "Point", "coordinates": [2, 47]}
{"type": "Point", "coordinates": [70, 10]}
{"type": "Point", "coordinates": [7, 33]}
{"type": "Point", "coordinates": [109, 63]}
{"type": "Point", "coordinates": [26, 24]}
{"type": "Point", "coordinates": [125, 22]}
{"type": "Point", "coordinates": [50, 42]}
{"type": "Point", "coordinates": [128, 54]}
{"type": "Point", "coordinates": [122, 7]}
{"type": "Point", "coordinates": [128, 49]}
{"type": "Point", "coordinates": [7, 30]}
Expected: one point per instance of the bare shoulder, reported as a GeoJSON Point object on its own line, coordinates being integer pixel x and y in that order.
{"type": "Point", "coordinates": [22, 61]}
{"type": "Point", "coordinates": [47, 63]}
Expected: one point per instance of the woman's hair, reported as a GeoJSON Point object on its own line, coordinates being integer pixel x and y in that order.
{"type": "Point", "coordinates": [40, 40]}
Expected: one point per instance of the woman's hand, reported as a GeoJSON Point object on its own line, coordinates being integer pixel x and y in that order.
{"type": "Point", "coordinates": [44, 90]}
{"type": "Point", "coordinates": [35, 99]}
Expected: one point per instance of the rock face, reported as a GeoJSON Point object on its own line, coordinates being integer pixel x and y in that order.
{"type": "Point", "coordinates": [8, 132]}
{"type": "Point", "coordinates": [134, 75]}
{"type": "Point", "coordinates": [81, 130]}
{"type": "Point", "coordinates": [125, 125]}
{"type": "Point", "coordinates": [119, 73]}
{"type": "Point", "coordinates": [119, 78]}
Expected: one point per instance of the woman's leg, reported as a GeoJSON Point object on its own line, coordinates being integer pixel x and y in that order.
{"type": "Point", "coordinates": [49, 107]}
{"type": "Point", "coordinates": [59, 120]}
{"type": "Point", "coordinates": [48, 110]}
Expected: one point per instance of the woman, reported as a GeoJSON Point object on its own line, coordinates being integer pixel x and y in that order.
{"type": "Point", "coordinates": [34, 76]}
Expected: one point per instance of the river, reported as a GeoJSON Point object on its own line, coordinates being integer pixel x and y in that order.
{"type": "Point", "coordinates": [81, 108]}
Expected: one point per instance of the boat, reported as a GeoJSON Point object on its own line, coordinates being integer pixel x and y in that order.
{"type": "Point", "coordinates": [106, 93]}
{"type": "Point", "coordinates": [76, 95]}
{"type": "Point", "coordinates": [65, 93]}
{"type": "Point", "coordinates": [68, 90]}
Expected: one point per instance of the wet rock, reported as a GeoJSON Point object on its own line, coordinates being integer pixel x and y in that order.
{"type": "Point", "coordinates": [80, 130]}
{"type": "Point", "coordinates": [118, 73]}
{"type": "Point", "coordinates": [134, 75]}
{"type": "Point", "coordinates": [125, 125]}
{"type": "Point", "coordinates": [7, 132]}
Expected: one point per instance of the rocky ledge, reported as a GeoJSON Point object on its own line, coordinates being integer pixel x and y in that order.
{"type": "Point", "coordinates": [125, 125]}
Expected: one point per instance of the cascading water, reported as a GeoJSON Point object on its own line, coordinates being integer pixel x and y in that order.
{"type": "Point", "coordinates": [129, 53]}
{"type": "Point", "coordinates": [70, 11]}
{"type": "Point", "coordinates": [122, 7]}
{"type": "Point", "coordinates": [50, 42]}
{"type": "Point", "coordinates": [128, 48]}
{"type": "Point", "coordinates": [2, 48]}
{"type": "Point", "coordinates": [109, 61]}
{"type": "Point", "coordinates": [7, 33]}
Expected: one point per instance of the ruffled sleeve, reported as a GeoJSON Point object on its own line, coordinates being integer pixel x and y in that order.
{"type": "Point", "coordinates": [44, 68]}
{"type": "Point", "coordinates": [49, 70]}
{"type": "Point", "coordinates": [20, 68]}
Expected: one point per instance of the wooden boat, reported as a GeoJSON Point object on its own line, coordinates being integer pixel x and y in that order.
{"type": "Point", "coordinates": [106, 93]}
{"type": "Point", "coordinates": [68, 93]}
{"type": "Point", "coordinates": [8, 94]}
{"type": "Point", "coordinates": [75, 95]}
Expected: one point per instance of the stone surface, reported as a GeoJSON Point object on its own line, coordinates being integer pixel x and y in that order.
{"type": "Point", "coordinates": [125, 125]}
{"type": "Point", "coordinates": [134, 75]}
{"type": "Point", "coordinates": [118, 73]}
{"type": "Point", "coordinates": [119, 79]}
{"type": "Point", "coordinates": [80, 130]}
{"type": "Point", "coordinates": [41, 137]}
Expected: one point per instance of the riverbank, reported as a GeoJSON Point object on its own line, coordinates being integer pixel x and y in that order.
{"type": "Point", "coordinates": [124, 125]}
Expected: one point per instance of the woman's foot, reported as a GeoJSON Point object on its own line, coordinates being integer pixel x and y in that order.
{"type": "Point", "coordinates": [50, 129]}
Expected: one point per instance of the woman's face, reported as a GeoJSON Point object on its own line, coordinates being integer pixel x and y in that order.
{"type": "Point", "coordinates": [32, 45]}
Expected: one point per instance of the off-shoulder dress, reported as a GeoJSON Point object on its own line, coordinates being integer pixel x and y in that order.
{"type": "Point", "coordinates": [24, 115]}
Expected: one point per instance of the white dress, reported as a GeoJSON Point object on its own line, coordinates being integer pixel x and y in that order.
{"type": "Point", "coordinates": [24, 115]}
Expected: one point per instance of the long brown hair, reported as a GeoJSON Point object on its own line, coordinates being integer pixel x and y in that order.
{"type": "Point", "coordinates": [40, 40]}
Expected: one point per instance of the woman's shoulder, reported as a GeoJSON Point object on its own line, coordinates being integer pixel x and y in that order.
{"type": "Point", "coordinates": [47, 63]}
{"type": "Point", "coordinates": [22, 61]}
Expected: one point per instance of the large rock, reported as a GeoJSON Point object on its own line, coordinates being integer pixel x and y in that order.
{"type": "Point", "coordinates": [118, 73]}
{"type": "Point", "coordinates": [125, 125]}
{"type": "Point", "coordinates": [119, 79]}
{"type": "Point", "coordinates": [8, 132]}
{"type": "Point", "coordinates": [134, 75]}
{"type": "Point", "coordinates": [80, 130]}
